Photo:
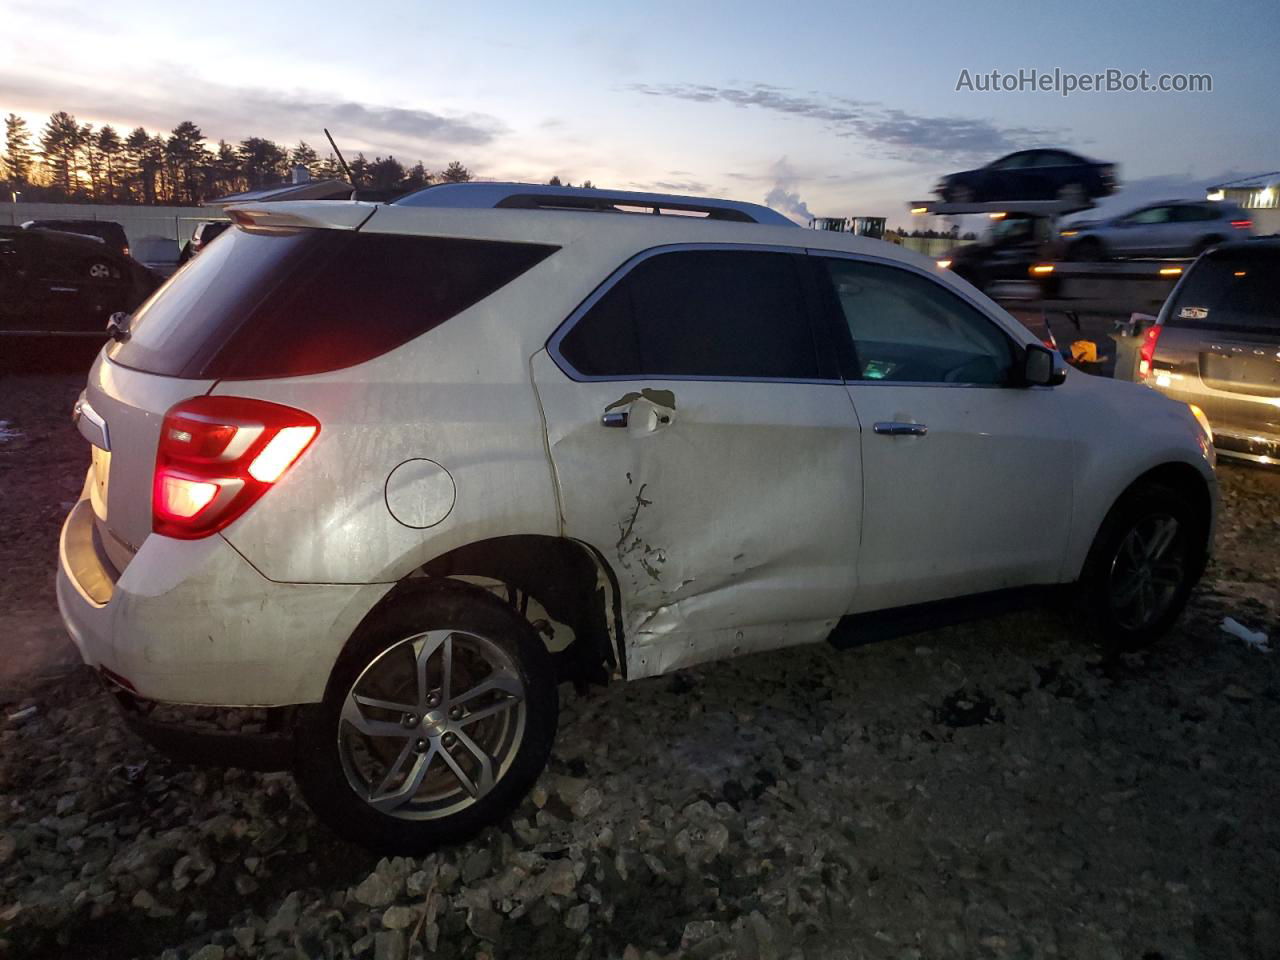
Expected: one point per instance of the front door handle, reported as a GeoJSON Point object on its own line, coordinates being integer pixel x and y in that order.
{"type": "Point", "coordinates": [615, 418]}
{"type": "Point", "coordinates": [897, 428]}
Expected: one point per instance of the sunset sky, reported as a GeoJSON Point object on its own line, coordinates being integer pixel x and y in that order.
{"type": "Point", "coordinates": [832, 108]}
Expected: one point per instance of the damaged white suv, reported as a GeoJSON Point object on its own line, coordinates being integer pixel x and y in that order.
{"type": "Point", "coordinates": [394, 471]}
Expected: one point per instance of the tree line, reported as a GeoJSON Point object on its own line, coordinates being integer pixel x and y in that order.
{"type": "Point", "coordinates": [69, 160]}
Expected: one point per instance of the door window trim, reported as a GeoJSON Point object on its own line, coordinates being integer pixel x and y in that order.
{"type": "Point", "coordinates": [814, 315]}
{"type": "Point", "coordinates": [847, 349]}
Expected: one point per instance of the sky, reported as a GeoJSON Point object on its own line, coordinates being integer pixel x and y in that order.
{"type": "Point", "coordinates": [818, 108]}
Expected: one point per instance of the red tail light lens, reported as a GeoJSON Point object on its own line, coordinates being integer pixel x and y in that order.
{"type": "Point", "coordinates": [1147, 354]}
{"type": "Point", "coordinates": [217, 456]}
{"type": "Point", "coordinates": [1242, 224]}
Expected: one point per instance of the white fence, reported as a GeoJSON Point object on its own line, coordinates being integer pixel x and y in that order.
{"type": "Point", "coordinates": [156, 234]}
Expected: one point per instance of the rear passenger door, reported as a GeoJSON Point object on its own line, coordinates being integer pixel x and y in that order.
{"type": "Point", "coordinates": [703, 442]}
{"type": "Point", "coordinates": [967, 481]}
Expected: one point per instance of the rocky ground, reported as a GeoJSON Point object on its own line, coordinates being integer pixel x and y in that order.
{"type": "Point", "coordinates": [995, 790]}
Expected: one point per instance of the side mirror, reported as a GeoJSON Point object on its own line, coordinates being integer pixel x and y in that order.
{"type": "Point", "coordinates": [1042, 367]}
{"type": "Point", "coordinates": [118, 326]}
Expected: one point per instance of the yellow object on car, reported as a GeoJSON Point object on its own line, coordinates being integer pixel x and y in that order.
{"type": "Point", "coordinates": [1084, 351]}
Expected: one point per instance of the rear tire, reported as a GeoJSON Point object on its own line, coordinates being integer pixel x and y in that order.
{"type": "Point", "coordinates": [1089, 250]}
{"type": "Point", "coordinates": [1147, 556]}
{"type": "Point", "coordinates": [1205, 245]}
{"type": "Point", "coordinates": [434, 765]}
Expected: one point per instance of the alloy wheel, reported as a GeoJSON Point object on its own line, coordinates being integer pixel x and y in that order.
{"type": "Point", "coordinates": [1147, 571]}
{"type": "Point", "coordinates": [432, 724]}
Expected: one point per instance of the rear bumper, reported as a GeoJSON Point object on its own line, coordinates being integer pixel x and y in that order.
{"type": "Point", "coordinates": [193, 622]}
{"type": "Point", "coordinates": [1242, 427]}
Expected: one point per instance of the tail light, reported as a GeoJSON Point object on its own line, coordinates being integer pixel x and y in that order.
{"type": "Point", "coordinates": [217, 456]}
{"type": "Point", "coordinates": [1242, 224]}
{"type": "Point", "coordinates": [1148, 351]}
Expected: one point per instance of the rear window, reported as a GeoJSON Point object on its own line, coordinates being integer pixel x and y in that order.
{"type": "Point", "coordinates": [283, 304]}
{"type": "Point", "coordinates": [1236, 290]}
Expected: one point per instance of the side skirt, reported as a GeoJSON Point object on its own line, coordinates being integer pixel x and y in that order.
{"type": "Point", "coordinates": [859, 629]}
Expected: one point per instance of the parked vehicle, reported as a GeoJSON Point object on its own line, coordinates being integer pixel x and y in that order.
{"type": "Point", "coordinates": [53, 282]}
{"type": "Point", "coordinates": [108, 231]}
{"type": "Point", "coordinates": [204, 234]}
{"type": "Point", "coordinates": [1032, 175]}
{"type": "Point", "coordinates": [1005, 252]}
{"type": "Point", "coordinates": [396, 505]}
{"type": "Point", "coordinates": [1174, 228]}
{"type": "Point", "coordinates": [1216, 343]}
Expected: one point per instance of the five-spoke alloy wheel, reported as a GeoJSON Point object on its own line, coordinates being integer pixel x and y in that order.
{"type": "Point", "coordinates": [1142, 566]}
{"type": "Point", "coordinates": [438, 718]}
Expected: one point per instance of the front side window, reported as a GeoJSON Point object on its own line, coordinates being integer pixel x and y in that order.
{"type": "Point", "coordinates": [699, 314]}
{"type": "Point", "coordinates": [1150, 215]}
{"type": "Point", "coordinates": [907, 327]}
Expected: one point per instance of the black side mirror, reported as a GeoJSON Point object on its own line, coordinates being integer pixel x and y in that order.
{"type": "Point", "coordinates": [118, 326]}
{"type": "Point", "coordinates": [1042, 367]}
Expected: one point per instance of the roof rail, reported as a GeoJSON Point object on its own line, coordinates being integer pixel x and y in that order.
{"type": "Point", "coordinates": [538, 196]}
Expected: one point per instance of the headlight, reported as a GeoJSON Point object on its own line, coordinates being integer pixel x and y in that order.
{"type": "Point", "coordinates": [1207, 443]}
{"type": "Point", "coordinates": [1202, 420]}
{"type": "Point", "coordinates": [943, 264]}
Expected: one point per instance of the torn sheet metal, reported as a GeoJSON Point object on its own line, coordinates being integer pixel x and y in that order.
{"type": "Point", "coordinates": [729, 517]}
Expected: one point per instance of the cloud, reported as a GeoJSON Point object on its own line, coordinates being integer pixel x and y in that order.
{"type": "Point", "coordinates": [783, 197]}
{"type": "Point", "coordinates": [910, 136]}
{"type": "Point", "coordinates": [236, 112]}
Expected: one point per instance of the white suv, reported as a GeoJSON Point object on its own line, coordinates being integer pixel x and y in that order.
{"type": "Point", "coordinates": [394, 471]}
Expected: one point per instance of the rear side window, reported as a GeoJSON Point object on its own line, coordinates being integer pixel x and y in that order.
{"type": "Point", "coordinates": [700, 314]}
{"type": "Point", "coordinates": [1236, 290]}
{"type": "Point", "coordinates": [282, 304]}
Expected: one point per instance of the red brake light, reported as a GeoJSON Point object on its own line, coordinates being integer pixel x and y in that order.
{"type": "Point", "coordinates": [1242, 224]}
{"type": "Point", "coordinates": [1148, 351]}
{"type": "Point", "coordinates": [217, 456]}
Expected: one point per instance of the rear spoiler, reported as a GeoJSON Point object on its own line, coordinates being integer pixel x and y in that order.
{"type": "Point", "coordinates": [295, 214]}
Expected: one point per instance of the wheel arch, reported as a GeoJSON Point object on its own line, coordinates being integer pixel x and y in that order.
{"type": "Point", "coordinates": [570, 579]}
{"type": "Point", "coordinates": [1176, 475]}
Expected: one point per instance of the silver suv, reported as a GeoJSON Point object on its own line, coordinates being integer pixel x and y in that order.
{"type": "Point", "coordinates": [1176, 228]}
{"type": "Point", "coordinates": [1216, 344]}
{"type": "Point", "coordinates": [392, 472]}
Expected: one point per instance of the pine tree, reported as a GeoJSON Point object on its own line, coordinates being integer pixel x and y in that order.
{"type": "Point", "coordinates": [109, 154]}
{"type": "Point", "coordinates": [305, 155]}
{"type": "Point", "coordinates": [60, 147]}
{"type": "Point", "coordinates": [109, 149]}
{"type": "Point", "coordinates": [17, 151]}
{"type": "Point", "coordinates": [140, 189]}
{"type": "Point", "coordinates": [184, 154]}
{"type": "Point", "coordinates": [455, 172]}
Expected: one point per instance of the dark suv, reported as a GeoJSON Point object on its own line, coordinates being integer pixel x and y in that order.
{"type": "Point", "coordinates": [1216, 344]}
{"type": "Point", "coordinates": [108, 231]}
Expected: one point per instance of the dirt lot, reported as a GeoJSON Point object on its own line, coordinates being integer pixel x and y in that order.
{"type": "Point", "coordinates": [996, 790]}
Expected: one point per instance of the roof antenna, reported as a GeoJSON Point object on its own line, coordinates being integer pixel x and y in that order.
{"type": "Point", "coordinates": [350, 179]}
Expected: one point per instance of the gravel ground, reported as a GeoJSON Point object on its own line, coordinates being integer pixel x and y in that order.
{"type": "Point", "coordinates": [994, 790]}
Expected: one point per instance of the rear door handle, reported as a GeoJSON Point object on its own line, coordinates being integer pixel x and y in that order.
{"type": "Point", "coordinates": [897, 428]}
{"type": "Point", "coordinates": [617, 418]}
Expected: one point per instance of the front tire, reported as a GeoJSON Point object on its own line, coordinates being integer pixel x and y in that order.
{"type": "Point", "coordinates": [438, 718]}
{"type": "Point", "coordinates": [1144, 562]}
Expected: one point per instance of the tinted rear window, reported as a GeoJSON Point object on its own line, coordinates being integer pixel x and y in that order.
{"type": "Point", "coordinates": [278, 304]}
{"type": "Point", "coordinates": [1236, 290]}
{"type": "Point", "coordinates": [699, 313]}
